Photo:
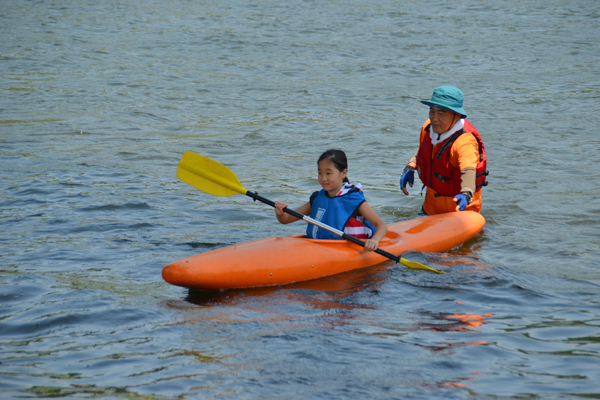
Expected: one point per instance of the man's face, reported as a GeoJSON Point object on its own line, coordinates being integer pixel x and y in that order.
{"type": "Point", "coordinates": [442, 119]}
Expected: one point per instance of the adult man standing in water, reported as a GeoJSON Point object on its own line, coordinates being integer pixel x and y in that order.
{"type": "Point", "coordinates": [451, 158]}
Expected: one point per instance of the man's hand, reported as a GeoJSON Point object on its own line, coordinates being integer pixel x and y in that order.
{"type": "Point", "coordinates": [408, 176]}
{"type": "Point", "coordinates": [462, 200]}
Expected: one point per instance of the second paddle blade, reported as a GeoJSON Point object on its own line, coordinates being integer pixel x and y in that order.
{"type": "Point", "coordinates": [417, 265]}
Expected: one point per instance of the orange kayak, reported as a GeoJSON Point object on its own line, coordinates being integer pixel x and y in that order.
{"type": "Point", "coordinates": [283, 260]}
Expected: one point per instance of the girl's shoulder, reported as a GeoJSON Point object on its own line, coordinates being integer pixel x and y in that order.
{"type": "Point", "coordinates": [313, 196]}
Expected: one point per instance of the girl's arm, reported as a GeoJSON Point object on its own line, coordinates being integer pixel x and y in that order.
{"type": "Point", "coordinates": [366, 211]}
{"type": "Point", "coordinates": [286, 218]}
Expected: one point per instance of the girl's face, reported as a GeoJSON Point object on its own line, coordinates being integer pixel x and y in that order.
{"type": "Point", "coordinates": [330, 178]}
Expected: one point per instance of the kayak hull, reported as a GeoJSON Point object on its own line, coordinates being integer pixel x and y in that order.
{"type": "Point", "coordinates": [283, 260]}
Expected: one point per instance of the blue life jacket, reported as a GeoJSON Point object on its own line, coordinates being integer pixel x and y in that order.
{"type": "Point", "coordinates": [336, 212]}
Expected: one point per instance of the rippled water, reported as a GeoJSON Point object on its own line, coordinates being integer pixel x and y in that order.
{"type": "Point", "coordinates": [100, 100]}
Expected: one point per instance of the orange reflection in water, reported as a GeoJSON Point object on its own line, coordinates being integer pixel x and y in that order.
{"type": "Point", "coordinates": [467, 320]}
{"type": "Point", "coordinates": [457, 322]}
{"type": "Point", "coordinates": [460, 383]}
{"type": "Point", "coordinates": [472, 247]}
{"type": "Point", "coordinates": [267, 304]}
{"type": "Point", "coordinates": [466, 257]}
{"type": "Point", "coordinates": [447, 346]}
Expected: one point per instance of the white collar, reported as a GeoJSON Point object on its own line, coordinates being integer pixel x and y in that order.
{"type": "Point", "coordinates": [439, 138]}
{"type": "Point", "coordinates": [347, 186]}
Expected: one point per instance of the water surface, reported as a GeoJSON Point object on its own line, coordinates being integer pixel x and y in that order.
{"type": "Point", "coordinates": [100, 100]}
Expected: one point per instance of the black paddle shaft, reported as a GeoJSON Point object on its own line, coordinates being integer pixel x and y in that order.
{"type": "Point", "coordinates": [296, 214]}
{"type": "Point", "coordinates": [255, 196]}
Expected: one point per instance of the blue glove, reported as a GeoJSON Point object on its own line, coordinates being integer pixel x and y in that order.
{"type": "Point", "coordinates": [407, 176]}
{"type": "Point", "coordinates": [462, 200]}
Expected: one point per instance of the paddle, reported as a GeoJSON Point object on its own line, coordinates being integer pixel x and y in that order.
{"type": "Point", "coordinates": [214, 178]}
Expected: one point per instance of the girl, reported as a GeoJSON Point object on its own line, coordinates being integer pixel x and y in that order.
{"type": "Point", "coordinates": [339, 204]}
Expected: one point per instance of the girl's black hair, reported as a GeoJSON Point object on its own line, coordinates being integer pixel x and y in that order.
{"type": "Point", "coordinates": [338, 158]}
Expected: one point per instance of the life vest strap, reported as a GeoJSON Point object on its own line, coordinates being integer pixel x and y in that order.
{"type": "Point", "coordinates": [449, 142]}
{"type": "Point", "coordinates": [441, 177]}
{"type": "Point", "coordinates": [484, 182]}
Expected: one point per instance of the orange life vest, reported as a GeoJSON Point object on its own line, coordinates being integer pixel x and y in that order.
{"type": "Point", "coordinates": [436, 171]}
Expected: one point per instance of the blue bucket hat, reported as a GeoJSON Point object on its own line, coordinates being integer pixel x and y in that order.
{"type": "Point", "coordinates": [448, 97]}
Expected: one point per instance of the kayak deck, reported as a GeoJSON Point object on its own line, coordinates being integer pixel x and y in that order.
{"type": "Point", "coordinates": [284, 260]}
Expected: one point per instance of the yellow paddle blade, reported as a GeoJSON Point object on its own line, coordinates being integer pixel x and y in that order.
{"type": "Point", "coordinates": [416, 265]}
{"type": "Point", "coordinates": [208, 175]}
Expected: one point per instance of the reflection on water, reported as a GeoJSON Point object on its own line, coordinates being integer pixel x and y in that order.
{"type": "Point", "coordinates": [457, 322]}
{"type": "Point", "coordinates": [326, 294]}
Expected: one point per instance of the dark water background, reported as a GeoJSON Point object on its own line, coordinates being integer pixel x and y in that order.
{"type": "Point", "coordinates": [99, 100]}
